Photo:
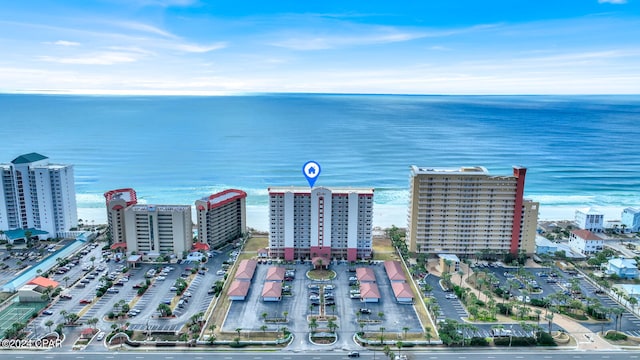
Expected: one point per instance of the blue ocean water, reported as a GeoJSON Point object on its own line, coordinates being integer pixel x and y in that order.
{"type": "Point", "coordinates": [580, 150]}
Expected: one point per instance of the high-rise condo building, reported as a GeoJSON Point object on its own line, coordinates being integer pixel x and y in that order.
{"type": "Point", "coordinates": [221, 217]}
{"type": "Point", "coordinates": [36, 194]}
{"type": "Point", "coordinates": [117, 201]}
{"type": "Point", "coordinates": [467, 211]}
{"type": "Point", "coordinates": [325, 223]}
{"type": "Point", "coordinates": [148, 230]}
{"type": "Point", "coordinates": [155, 230]}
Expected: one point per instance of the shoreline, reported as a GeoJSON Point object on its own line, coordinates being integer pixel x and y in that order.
{"type": "Point", "coordinates": [384, 216]}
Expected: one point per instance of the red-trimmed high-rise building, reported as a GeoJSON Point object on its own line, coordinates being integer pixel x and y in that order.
{"type": "Point", "coordinates": [320, 223]}
{"type": "Point", "coordinates": [117, 201]}
{"type": "Point", "coordinates": [466, 211]}
{"type": "Point", "coordinates": [221, 218]}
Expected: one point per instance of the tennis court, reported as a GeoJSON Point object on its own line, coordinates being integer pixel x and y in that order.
{"type": "Point", "coordinates": [18, 313]}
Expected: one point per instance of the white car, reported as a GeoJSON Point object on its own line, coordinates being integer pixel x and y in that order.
{"type": "Point", "coordinates": [160, 278]}
{"type": "Point", "coordinates": [100, 336]}
{"type": "Point", "coordinates": [220, 272]}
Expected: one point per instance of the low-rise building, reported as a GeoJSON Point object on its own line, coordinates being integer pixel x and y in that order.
{"type": "Point", "coordinates": [369, 292]}
{"type": "Point", "coordinates": [36, 289]}
{"type": "Point", "coordinates": [394, 271]}
{"type": "Point", "coordinates": [238, 290]}
{"type": "Point", "coordinates": [275, 273]}
{"type": "Point", "coordinates": [246, 269]}
{"type": "Point", "coordinates": [631, 219]}
{"type": "Point", "coordinates": [272, 291]}
{"type": "Point", "coordinates": [365, 275]}
{"type": "Point", "coordinates": [545, 246]}
{"type": "Point", "coordinates": [590, 219]}
{"type": "Point", "coordinates": [585, 242]}
{"type": "Point", "coordinates": [623, 268]}
{"type": "Point", "coordinates": [449, 263]}
{"type": "Point", "coordinates": [402, 292]}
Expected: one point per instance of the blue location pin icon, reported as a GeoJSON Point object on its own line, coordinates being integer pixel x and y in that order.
{"type": "Point", "coordinates": [311, 171]}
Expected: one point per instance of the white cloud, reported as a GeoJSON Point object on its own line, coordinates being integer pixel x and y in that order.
{"type": "Point", "coordinates": [194, 48]}
{"type": "Point", "coordinates": [65, 43]}
{"type": "Point", "coordinates": [612, 1]}
{"type": "Point", "coordinates": [146, 28]}
{"type": "Point", "coordinates": [100, 58]}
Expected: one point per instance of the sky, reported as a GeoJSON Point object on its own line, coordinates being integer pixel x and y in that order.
{"type": "Point", "coordinates": [328, 46]}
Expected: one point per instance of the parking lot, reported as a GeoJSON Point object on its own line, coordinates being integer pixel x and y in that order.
{"type": "Point", "coordinates": [247, 314]}
{"type": "Point", "coordinates": [82, 286]}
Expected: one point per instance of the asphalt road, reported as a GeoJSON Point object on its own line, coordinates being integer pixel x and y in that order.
{"type": "Point", "coordinates": [493, 354]}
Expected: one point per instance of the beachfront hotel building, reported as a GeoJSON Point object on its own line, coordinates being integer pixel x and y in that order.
{"type": "Point", "coordinates": [154, 230]}
{"type": "Point", "coordinates": [117, 201]}
{"type": "Point", "coordinates": [466, 211]}
{"type": "Point", "coordinates": [221, 218]}
{"type": "Point", "coordinates": [320, 223]}
{"type": "Point", "coordinates": [147, 230]}
{"type": "Point", "coordinates": [38, 195]}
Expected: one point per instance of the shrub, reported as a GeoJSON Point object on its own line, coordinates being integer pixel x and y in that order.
{"type": "Point", "coordinates": [545, 339]}
{"type": "Point", "coordinates": [539, 302]}
{"type": "Point", "coordinates": [515, 341]}
{"type": "Point", "coordinates": [479, 341]}
{"type": "Point", "coordinates": [615, 336]}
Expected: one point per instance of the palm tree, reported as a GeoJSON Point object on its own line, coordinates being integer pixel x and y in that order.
{"type": "Point", "coordinates": [238, 331]}
{"type": "Point", "coordinates": [49, 324]}
{"type": "Point", "coordinates": [332, 325]}
{"type": "Point", "coordinates": [382, 329]}
{"type": "Point", "coordinates": [549, 318]}
{"type": "Point", "coordinates": [66, 281]}
{"type": "Point", "coordinates": [264, 329]}
{"type": "Point", "coordinates": [93, 261]}
{"type": "Point", "coordinates": [380, 314]}
{"type": "Point", "coordinates": [285, 314]}
{"type": "Point", "coordinates": [93, 321]}
{"type": "Point", "coordinates": [313, 325]}
{"type": "Point", "coordinates": [405, 330]}
{"type": "Point", "coordinates": [399, 345]}
{"type": "Point", "coordinates": [427, 334]}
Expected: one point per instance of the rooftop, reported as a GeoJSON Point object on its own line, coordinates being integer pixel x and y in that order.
{"type": "Point", "coordinates": [222, 198]}
{"type": "Point", "coordinates": [307, 190]}
{"type": "Point", "coordinates": [126, 194]}
{"type": "Point", "coordinates": [586, 235]}
{"type": "Point", "coordinates": [28, 158]}
{"type": "Point", "coordinates": [44, 282]}
{"type": "Point", "coordinates": [21, 233]}
{"type": "Point", "coordinates": [465, 170]}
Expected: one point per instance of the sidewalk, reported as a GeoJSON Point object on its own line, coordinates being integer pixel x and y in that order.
{"type": "Point", "coordinates": [585, 338]}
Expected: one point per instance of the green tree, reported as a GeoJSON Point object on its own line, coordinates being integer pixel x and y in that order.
{"type": "Point", "coordinates": [49, 324]}
{"type": "Point", "coordinates": [428, 334]}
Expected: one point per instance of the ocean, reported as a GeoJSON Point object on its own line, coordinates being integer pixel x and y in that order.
{"type": "Point", "coordinates": [579, 150]}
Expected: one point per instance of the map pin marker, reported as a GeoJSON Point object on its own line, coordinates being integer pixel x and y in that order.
{"type": "Point", "coordinates": [311, 171]}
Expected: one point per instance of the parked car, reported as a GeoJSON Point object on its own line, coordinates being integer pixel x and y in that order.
{"type": "Point", "coordinates": [85, 301]}
{"type": "Point", "coordinates": [365, 311]}
{"type": "Point", "coordinates": [353, 354]}
{"type": "Point", "coordinates": [47, 312]}
{"type": "Point", "coordinates": [100, 336]}
{"type": "Point", "coordinates": [65, 297]}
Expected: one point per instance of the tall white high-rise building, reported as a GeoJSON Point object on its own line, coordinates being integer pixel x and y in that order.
{"type": "Point", "coordinates": [329, 223]}
{"type": "Point", "coordinates": [37, 194]}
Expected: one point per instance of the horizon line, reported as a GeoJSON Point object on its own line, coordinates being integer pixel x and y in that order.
{"type": "Point", "coordinates": [208, 93]}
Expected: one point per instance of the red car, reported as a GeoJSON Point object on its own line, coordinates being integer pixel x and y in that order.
{"type": "Point", "coordinates": [85, 301]}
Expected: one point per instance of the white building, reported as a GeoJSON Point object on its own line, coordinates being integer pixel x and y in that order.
{"type": "Point", "coordinates": [37, 194]}
{"type": "Point", "coordinates": [585, 242]}
{"type": "Point", "coordinates": [590, 219]}
{"type": "Point", "coordinates": [320, 223]}
{"type": "Point", "coordinates": [631, 219]}
{"type": "Point", "coordinates": [154, 230]}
